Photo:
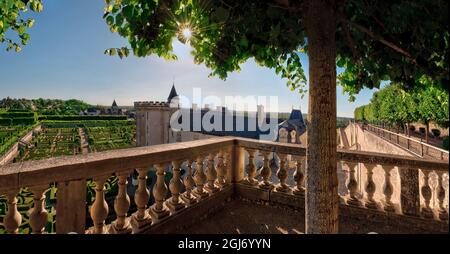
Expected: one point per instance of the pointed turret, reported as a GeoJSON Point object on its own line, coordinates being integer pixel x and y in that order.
{"type": "Point", "coordinates": [173, 93]}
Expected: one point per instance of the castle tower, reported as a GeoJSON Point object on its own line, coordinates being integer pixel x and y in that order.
{"type": "Point", "coordinates": [153, 120]}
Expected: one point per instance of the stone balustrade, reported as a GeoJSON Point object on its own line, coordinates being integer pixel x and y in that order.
{"type": "Point", "coordinates": [214, 170]}
{"type": "Point", "coordinates": [412, 185]}
{"type": "Point", "coordinates": [414, 146]}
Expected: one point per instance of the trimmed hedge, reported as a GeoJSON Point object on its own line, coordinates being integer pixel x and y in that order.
{"type": "Point", "coordinates": [76, 124]}
{"type": "Point", "coordinates": [16, 114]}
{"type": "Point", "coordinates": [82, 118]}
{"type": "Point", "coordinates": [5, 121]}
{"type": "Point", "coordinates": [23, 120]}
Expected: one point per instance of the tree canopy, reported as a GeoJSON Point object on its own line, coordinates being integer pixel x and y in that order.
{"type": "Point", "coordinates": [393, 105]}
{"type": "Point", "coordinates": [401, 41]}
{"type": "Point", "coordinates": [13, 26]}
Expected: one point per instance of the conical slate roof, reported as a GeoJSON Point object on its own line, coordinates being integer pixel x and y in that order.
{"type": "Point", "coordinates": [114, 104]}
{"type": "Point", "coordinates": [173, 93]}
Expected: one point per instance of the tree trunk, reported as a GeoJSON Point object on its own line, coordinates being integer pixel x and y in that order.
{"type": "Point", "coordinates": [322, 200]}
{"type": "Point", "coordinates": [427, 129]}
{"type": "Point", "coordinates": [408, 131]}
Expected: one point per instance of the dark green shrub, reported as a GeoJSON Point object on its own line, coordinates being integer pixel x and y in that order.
{"type": "Point", "coordinates": [5, 121]}
{"type": "Point", "coordinates": [436, 132]}
{"type": "Point", "coordinates": [23, 120]}
{"type": "Point", "coordinates": [445, 145]}
{"type": "Point", "coordinates": [81, 118]}
{"type": "Point", "coordinates": [422, 130]}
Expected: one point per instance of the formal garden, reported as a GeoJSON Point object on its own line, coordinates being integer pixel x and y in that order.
{"type": "Point", "coordinates": [60, 136]}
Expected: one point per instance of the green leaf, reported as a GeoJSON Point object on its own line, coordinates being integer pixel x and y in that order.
{"type": "Point", "coordinates": [21, 30]}
{"type": "Point", "coordinates": [221, 14]}
{"type": "Point", "coordinates": [39, 7]}
{"type": "Point", "coordinates": [30, 23]}
{"type": "Point", "coordinates": [110, 20]}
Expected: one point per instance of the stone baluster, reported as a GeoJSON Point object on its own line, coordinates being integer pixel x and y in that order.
{"type": "Point", "coordinates": [158, 211]}
{"type": "Point", "coordinates": [352, 185]}
{"type": "Point", "coordinates": [251, 168]}
{"type": "Point", "coordinates": [282, 174]}
{"type": "Point", "coordinates": [443, 214]}
{"type": "Point", "coordinates": [12, 219]}
{"type": "Point", "coordinates": [266, 172]}
{"type": "Point", "coordinates": [228, 166]}
{"type": "Point", "coordinates": [299, 177]}
{"type": "Point", "coordinates": [141, 218]}
{"type": "Point", "coordinates": [99, 209]}
{"type": "Point", "coordinates": [187, 196]}
{"type": "Point", "coordinates": [370, 188]}
{"type": "Point", "coordinates": [211, 174]}
{"type": "Point", "coordinates": [221, 169]}
{"type": "Point", "coordinates": [38, 214]}
{"type": "Point", "coordinates": [388, 189]}
{"type": "Point", "coordinates": [121, 205]}
{"type": "Point", "coordinates": [175, 186]}
{"type": "Point", "coordinates": [199, 179]}
{"type": "Point", "coordinates": [427, 212]}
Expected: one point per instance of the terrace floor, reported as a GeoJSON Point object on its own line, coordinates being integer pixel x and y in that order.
{"type": "Point", "coordinates": [243, 217]}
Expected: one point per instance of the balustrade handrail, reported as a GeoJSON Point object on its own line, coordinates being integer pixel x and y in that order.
{"type": "Point", "coordinates": [67, 168]}
{"type": "Point", "coordinates": [86, 166]}
{"type": "Point", "coordinates": [411, 139]}
{"type": "Point", "coordinates": [71, 173]}
{"type": "Point", "coordinates": [349, 155]}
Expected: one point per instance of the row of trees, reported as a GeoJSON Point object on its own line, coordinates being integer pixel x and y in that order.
{"type": "Point", "coordinates": [46, 106]}
{"type": "Point", "coordinates": [394, 106]}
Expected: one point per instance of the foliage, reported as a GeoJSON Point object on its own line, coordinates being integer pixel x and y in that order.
{"type": "Point", "coordinates": [436, 132]}
{"type": "Point", "coordinates": [86, 123]}
{"type": "Point", "coordinates": [393, 105]}
{"type": "Point", "coordinates": [12, 21]}
{"type": "Point", "coordinates": [402, 41]}
{"type": "Point", "coordinates": [45, 106]}
{"type": "Point", "coordinates": [82, 117]}
{"type": "Point", "coordinates": [445, 143]}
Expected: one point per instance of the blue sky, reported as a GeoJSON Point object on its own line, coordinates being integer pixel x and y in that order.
{"type": "Point", "coordinates": [64, 59]}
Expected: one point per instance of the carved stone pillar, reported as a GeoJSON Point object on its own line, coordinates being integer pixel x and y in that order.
{"type": "Point", "coordinates": [299, 177]}
{"type": "Point", "coordinates": [443, 214]}
{"type": "Point", "coordinates": [158, 211]}
{"type": "Point", "coordinates": [199, 179]}
{"type": "Point", "coordinates": [121, 205]}
{"type": "Point", "coordinates": [409, 191]}
{"type": "Point", "coordinates": [99, 209]}
{"type": "Point", "coordinates": [353, 185]}
{"type": "Point", "coordinates": [141, 218]}
{"type": "Point", "coordinates": [250, 168]}
{"type": "Point", "coordinates": [187, 196]}
{"type": "Point", "coordinates": [175, 186]}
{"type": "Point", "coordinates": [12, 219]}
{"type": "Point", "coordinates": [38, 214]}
{"type": "Point", "coordinates": [370, 188]}
{"type": "Point", "coordinates": [427, 212]}
{"type": "Point", "coordinates": [266, 172]}
{"type": "Point", "coordinates": [221, 169]}
{"type": "Point", "coordinates": [282, 174]}
{"type": "Point", "coordinates": [388, 189]}
{"type": "Point", "coordinates": [211, 175]}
